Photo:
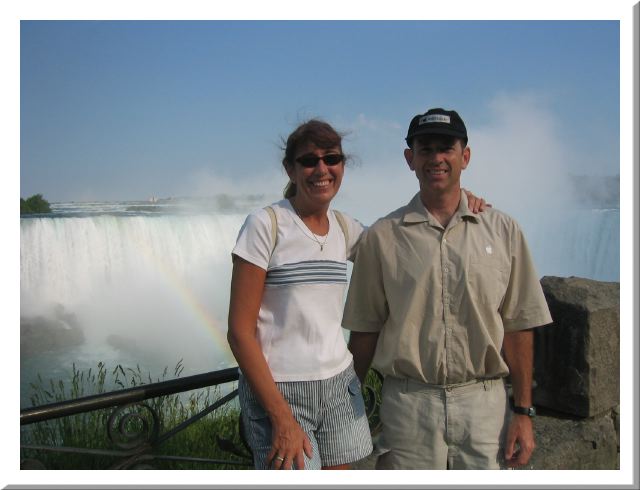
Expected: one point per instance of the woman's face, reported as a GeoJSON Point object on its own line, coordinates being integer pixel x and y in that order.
{"type": "Point", "coordinates": [317, 184]}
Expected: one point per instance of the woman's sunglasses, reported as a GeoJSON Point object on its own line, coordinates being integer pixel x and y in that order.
{"type": "Point", "coordinates": [310, 161]}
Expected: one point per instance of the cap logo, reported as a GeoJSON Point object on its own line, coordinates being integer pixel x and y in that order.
{"type": "Point", "coordinates": [435, 118]}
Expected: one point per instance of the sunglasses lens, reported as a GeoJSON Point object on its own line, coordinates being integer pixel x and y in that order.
{"type": "Point", "coordinates": [310, 161]}
{"type": "Point", "coordinates": [332, 159]}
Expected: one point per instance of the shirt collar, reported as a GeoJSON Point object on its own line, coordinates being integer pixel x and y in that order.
{"type": "Point", "coordinates": [416, 211]}
{"type": "Point", "coordinates": [463, 208]}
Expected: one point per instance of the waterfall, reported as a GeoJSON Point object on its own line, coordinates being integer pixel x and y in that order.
{"type": "Point", "coordinates": [576, 242]}
{"type": "Point", "coordinates": [153, 288]}
{"type": "Point", "coordinates": [69, 260]}
{"type": "Point", "coordinates": [141, 289]}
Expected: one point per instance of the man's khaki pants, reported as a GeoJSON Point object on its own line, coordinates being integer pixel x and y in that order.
{"type": "Point", "coordinates": [432, 427]}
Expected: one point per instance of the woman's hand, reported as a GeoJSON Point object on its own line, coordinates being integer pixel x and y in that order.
{"type": "Point", "coordinates": [288, 439]}
{"type": "Point", "coordinates": [289, 442]}
{"type": "Point", "coordinates": [476, 204]}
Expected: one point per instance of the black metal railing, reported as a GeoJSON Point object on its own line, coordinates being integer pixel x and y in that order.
{"type": "Point", "coordinates": [133, 426]}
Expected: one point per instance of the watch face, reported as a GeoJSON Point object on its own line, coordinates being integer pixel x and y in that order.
{"type": "Point", "coordinates": [530, 411]}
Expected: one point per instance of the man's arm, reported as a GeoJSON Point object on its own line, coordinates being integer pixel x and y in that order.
{"type": "Point", "coordinates": [363, 346]}
{"type": "Point", "coordinates": [366, 308]}
{"type": "Point", "coordinates": [518, 353]}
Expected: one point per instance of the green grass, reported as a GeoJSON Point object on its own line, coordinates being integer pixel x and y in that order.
{"type": "Point", "coordinates": [371, 392]}
{"type": "Point", "coordinates": [88, 430]}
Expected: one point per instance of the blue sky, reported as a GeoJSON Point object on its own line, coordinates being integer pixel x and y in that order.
{"type": "Point", "coordinates": [131, 109]}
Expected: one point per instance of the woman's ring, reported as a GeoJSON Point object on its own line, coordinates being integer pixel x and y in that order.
{"type": "Point", "coordinates": [279, 458]}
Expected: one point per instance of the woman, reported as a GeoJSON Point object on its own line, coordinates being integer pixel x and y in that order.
{"type": "Point", "coordinates": [301, 400]}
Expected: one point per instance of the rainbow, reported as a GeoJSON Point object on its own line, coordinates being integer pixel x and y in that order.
{"type": "Point", "coordinates": [192, 304]}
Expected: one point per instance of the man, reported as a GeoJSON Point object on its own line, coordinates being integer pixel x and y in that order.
{"type": "Point", "coordinates": [446, 300]}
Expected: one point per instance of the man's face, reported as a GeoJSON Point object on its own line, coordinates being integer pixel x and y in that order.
{"type": "Point", "coordinates": [438, 162]}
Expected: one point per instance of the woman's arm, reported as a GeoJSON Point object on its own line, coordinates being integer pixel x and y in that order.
{"type": "Point", "coordinates": [288, 438]}
{"type": "Point", "coordinates": [476, 204]}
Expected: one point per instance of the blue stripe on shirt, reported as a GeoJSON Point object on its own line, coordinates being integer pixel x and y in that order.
{"type": "Point", "coordinates": [308, 272]}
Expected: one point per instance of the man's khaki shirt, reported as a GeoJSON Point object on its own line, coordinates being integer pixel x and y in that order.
{"type": "Point", "coordinates": [442, 298]}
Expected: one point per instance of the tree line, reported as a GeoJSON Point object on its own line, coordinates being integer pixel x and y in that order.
{"type": "Point", "coordinates": [34, 204]}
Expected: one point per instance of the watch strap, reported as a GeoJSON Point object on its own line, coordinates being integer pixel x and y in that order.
{"type": "Point", "coordinates": [529, 411]}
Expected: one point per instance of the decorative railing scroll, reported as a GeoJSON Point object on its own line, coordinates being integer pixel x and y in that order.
{"type": "Point", "coordinates": [134, 430]}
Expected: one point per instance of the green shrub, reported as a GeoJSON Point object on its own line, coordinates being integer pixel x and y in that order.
{"type": "Point", "coordinates": [34, 204]}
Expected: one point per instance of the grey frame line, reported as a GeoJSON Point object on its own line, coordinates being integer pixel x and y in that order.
{"type": "Point", "coordinates": [636, 232]}
{"type": "Point", "coordinates": [299, 485]}
{"type": "Point", "coordinates": [636, 346]}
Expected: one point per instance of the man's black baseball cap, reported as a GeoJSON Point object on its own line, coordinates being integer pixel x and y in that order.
{"type": "Point", "coordinates": [437, 121]}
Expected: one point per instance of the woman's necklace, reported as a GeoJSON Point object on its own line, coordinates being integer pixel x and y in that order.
{"type": "Point", "coordinates": [313, 236]}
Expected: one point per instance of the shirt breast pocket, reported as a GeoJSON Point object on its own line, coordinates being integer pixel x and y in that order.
{"type": "Point", "coordinates": [488, 277]}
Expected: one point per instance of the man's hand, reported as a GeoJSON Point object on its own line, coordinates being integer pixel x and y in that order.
{"type": "Point", "coordinates": [520, 441]}
{"type": "Point", "coordinates": [518, 353]}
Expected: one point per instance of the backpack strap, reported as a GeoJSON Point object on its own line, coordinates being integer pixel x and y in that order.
{"type": "Point", "coordinates": [274, 227]}
{"type": "Point", "coordinates": [343, 225]}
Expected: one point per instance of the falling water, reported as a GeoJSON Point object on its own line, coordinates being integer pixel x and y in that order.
{"type": "Point", "coordinates": [125, 288]}
{"type": "Point", "coordinates": [148, 285]}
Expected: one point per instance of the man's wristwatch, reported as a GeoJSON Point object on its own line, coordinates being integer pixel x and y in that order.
{"type": "Point", "coordinates": [529, 411]}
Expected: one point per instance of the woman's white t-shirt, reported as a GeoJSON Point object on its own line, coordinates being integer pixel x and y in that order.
{"type": "Point", "coordinates": [299, 323]}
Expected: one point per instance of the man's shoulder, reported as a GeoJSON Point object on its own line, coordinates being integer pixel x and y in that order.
{"type": "Point", "coordinates": [493, 218]}
{"type": "Point", "coordinates": [388, 222]}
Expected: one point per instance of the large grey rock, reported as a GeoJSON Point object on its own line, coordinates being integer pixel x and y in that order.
{"type": "Point", "coordinates": [56, 330]}
{"type": "Point", "coordinates": [562, 443]}
{"type": "Point", "coordinates": [577, 359]}
{"type": "Point", "coordinates": [575, 444]}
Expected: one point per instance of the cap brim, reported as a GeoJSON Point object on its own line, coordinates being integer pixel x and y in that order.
{"type": "Point", "coordinates": [436, 130]}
